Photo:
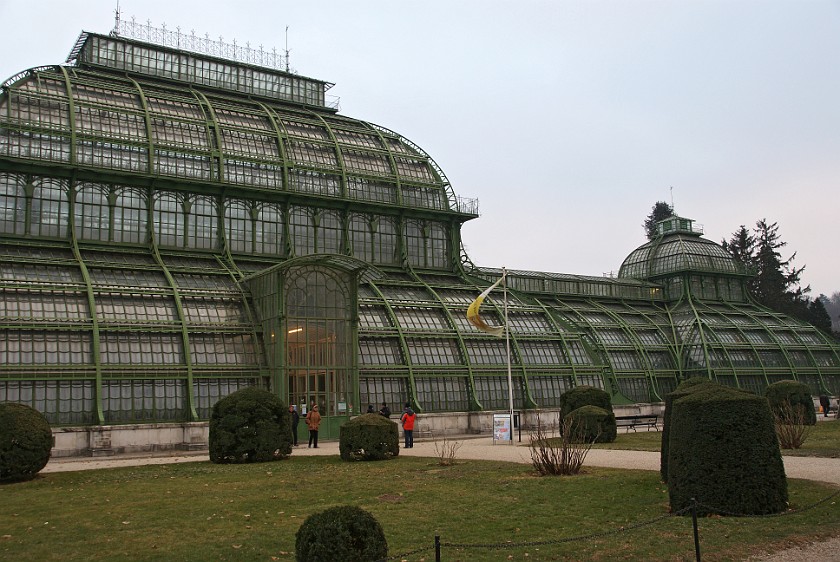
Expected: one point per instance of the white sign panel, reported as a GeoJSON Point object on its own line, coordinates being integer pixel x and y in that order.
{"type": "Point", "coordinates": [502, 427]}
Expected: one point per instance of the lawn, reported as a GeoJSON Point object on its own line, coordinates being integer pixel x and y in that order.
{"type": "Point", "coordinates": [200, 511]}
{"type": "Point", "coordinates": [823, 441]}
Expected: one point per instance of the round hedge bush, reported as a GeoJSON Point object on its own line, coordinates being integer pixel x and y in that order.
{"type": "Point", "coordinates": [724, 452]}
{"type": "Point", "coordinates": [591, 424]}
{"type": "Point", "coordinates": [345, 533]}
{"type": "Point", "coordinates": [686, 387]}
{"type": "Point", "coordinates": [584, 395]}
{"type": "Point", "coordinates": [25, 442]}
{"type": "Point", "coordinates": [250, 425]}
{"type": "Point", "coordinates": [796, 393]}
{"type": "Point", "coordinates": [369, 437]}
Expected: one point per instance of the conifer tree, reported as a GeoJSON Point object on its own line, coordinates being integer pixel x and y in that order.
{"type": "Point", "coordinates": [818, 315]}
{"type": "Point", "coordinates": [832, 307]}
{"type": "Point", "coordinates": [741, 246]}
{"type": "Point", "coordinates": [660, 211]}
{"type": "Point", "coordinates": [776, 282]}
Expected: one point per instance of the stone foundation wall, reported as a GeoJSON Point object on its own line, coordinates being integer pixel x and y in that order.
{"type": "Point", "coordinates": [443, 424]}
{"type": "Point", "coordinates": [107, 440]}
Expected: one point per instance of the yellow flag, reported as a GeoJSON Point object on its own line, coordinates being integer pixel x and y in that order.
{"type": "Point", "coordinates": [475, 319]}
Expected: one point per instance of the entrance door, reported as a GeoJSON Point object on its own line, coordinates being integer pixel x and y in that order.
{"type": "Point", "coordinates": [318, 339]}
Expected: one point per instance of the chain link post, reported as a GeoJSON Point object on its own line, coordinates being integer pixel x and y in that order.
{"type": "Point", "coordinates": [696, 531]}
{"type": "Point", "coordinates": [437, 548]}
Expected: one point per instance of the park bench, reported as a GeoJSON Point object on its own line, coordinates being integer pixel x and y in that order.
{"type": "Point", "coordinates": [632, 422]}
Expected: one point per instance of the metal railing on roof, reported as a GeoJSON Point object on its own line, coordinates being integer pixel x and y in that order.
{"type": "Point", "coordinates": [204, 45]}
{"type": "Point", "coordinates": [333, 102]}
{"type": "Point", "coordinates": [466, 205]}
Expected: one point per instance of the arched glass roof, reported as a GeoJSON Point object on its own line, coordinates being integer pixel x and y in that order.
{"type": "Point", "coordinates": [93, 118]}
{"type": "Point", "coordinates": [749, 347]}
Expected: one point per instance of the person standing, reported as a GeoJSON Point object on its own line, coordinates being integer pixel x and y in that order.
{"type": "Point", "coordinates": [295, 419]}
{"type": "Point", "coordinates": [407, 419]}
{"type": "Point", "coordinates": [385, 410]}
{"type": "Point", "coordinates": [370, 409]}
{"type": "Point", "coordinates": [825, 402]}
{"type": "Point", "coordinates": [313, 420]}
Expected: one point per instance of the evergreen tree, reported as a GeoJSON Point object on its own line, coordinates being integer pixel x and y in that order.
{"type": "Point", "coordinates": [832, 307]}
{"type": "Point", "coordinates": [660, 211]}
{"type": "Point", "coordinates": [776, 282]}
{"type": "Point", "coordinates": [741, 246]}
{"type": "Point", "coordinates": [818, 315]}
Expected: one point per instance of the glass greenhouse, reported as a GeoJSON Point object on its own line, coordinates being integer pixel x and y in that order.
{"type": "Point", "coordinates": [178, 225]}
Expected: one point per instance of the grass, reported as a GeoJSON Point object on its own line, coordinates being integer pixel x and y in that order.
{"type": "Point", "coordinates": [823, 441]}
{"type": "Point", "coordinates": [634, 441]}
{"type": "Point", "coordinates": [200, 511]}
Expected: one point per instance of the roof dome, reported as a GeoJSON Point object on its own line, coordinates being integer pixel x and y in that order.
{"type": "Point", "coordinates": [678, 247]}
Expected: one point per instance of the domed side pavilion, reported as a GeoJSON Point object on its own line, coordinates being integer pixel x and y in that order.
{"type": "Point", "coordinates": [176, 226]}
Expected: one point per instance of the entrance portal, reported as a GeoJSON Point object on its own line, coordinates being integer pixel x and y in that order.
{"type": "Point", "coordinates": [318, 350]}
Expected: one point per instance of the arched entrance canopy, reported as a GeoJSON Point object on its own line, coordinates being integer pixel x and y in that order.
{"type": "Point", "coordinates": [348, 264]}
{"type": "Point", "coordinates": [308, 310]}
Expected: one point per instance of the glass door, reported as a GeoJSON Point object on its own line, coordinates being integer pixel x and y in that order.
{"type": "Point", "coordinates": [318, 337]}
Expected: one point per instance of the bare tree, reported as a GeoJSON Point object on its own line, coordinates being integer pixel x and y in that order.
{"type": "Point", "coordinates": [562, 455]}
{"type": "Point", "coordinates": [446, 450]}
{"type": "Point", "coordinates": [791, 426]}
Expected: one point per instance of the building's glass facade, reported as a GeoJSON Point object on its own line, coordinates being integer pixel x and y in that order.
{"type": "Point", "coordinates": [176, 226]}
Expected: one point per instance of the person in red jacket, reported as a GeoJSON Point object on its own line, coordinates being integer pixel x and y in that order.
{"type": "Point", "coordinates": [407, 418]}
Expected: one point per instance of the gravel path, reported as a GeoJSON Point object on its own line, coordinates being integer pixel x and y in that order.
{"type": "Point", "coordinates": [476, 448]}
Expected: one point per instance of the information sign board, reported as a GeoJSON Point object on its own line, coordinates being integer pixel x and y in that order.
{"type": "Point", "coordinates": [502, 427]}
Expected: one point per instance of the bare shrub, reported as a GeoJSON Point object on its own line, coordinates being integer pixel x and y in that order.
{"type": "Point", "coordinates": [562, 455]}
{"type": "Point", "coordinates": [791, 425]}
{"type": "Point", "coordinates": [445, 450]}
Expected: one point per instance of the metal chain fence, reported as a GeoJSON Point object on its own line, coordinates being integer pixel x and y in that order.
{"type": "Point", "coordinates": [439, 545]}
{"type": "Point", "coordinates": [767, 515]}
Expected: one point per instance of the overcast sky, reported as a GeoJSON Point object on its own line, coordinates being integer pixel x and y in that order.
{"type": "Point", "coordinates": [567, 120]}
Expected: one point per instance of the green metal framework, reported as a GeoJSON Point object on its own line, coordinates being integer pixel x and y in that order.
{"type": "Point", "coordinates": [175, 227]}
{"type": "Point", "coordinates": [719, 332]}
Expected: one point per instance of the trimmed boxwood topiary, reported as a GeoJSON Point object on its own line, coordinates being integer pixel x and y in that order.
{"type": "Point", "coordinates": [724, 452]}
{"type": "Point", "coordinates": [345, 533]}
{"type": "Point", "coordinates": [686, 387]}
{"type": "Point", "coordinates": [25, 442]}
{"type": "Point", "coordinates": [798, 394]}
{"type": "Point", "coordinates": [584, 395]}
{"type": "Point", "coordinates": [250, 425]}
{"type": "Point", "coordinates": [369, 437]}
{"type": "Point", "coordinates": [592, 424]}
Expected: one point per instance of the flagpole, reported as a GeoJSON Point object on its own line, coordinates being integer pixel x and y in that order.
{"type": "Point", "coordinates": [474, 318]}
{"type": "Point", "coordinates": [507, 349]}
